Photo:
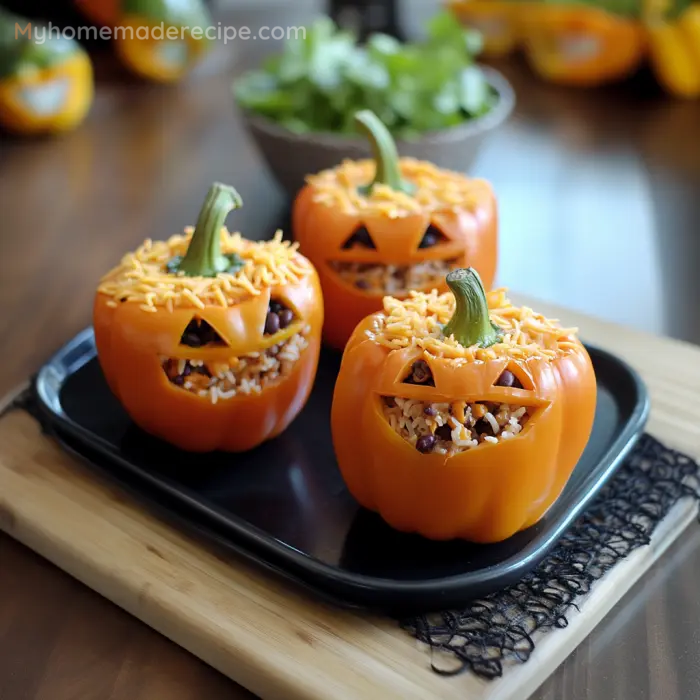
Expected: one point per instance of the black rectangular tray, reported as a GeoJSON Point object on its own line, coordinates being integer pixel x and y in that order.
{"type": "Point", "coordinates": [284, 504]}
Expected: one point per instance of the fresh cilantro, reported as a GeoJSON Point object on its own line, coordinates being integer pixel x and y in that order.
{"type": "Point", "coordinates": [318, 82]}
{"type": "Point", "coordinates": [236, 263]}
{"type": "Point", "coordinates": [173, 265]}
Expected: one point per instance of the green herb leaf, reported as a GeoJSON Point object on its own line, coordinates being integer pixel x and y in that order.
{"type": "Point", "coordinates": [474, 91]}
{"type": "Point", "coordinates": [318, 82]}
{"type": "Point", "coordinates": [236, 263]}
{"type": "Point", "coordinates": [173, 265]}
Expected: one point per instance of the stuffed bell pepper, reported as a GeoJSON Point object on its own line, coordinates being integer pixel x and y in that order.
{"type": "Point", "coordinates": [158, 40]}
{"type": "Point", "coordinates": [46, 86]}
{"type": "Point", "coordinates": [495, 20]}
{"type": "Point", "coordinates": [390, 225]}
{"type": "Point", "coordinates": [472, 412]}
{"type": "Point", "coordinates": [576, 44]}
{"type": "Point", "coordinates": [211, 341]}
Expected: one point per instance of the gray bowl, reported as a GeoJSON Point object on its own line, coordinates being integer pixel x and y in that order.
{"type": "Point", "coordinates": [291, 157]}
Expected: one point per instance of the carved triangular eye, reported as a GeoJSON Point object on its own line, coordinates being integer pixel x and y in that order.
{"type": "Point", "coordinates": [279, 316]}
{"type": "Point", "coordinates": [509, 380]}
{"type": "Point", "coordinates": [432, 236]}
{"type": "Point", "coordinates": [420, 373]}
{"type": "Point", "coordinates": [361, 239]}
{"type": "Point", "coordinates": [199, 333]}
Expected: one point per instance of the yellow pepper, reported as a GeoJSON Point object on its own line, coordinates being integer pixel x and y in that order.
{"type": "Point", "coordinates": [495, 20]}
{"type": "Point", "coordinates": [45, 86]}
{"type": "Point", "coordinates": [674, 50]}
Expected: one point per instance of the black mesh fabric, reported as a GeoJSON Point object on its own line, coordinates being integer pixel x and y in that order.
{"type": "Point", "coordinates": [497, 630]}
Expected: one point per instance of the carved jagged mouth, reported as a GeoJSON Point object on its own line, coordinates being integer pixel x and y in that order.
{"type": "Point", "coordinates": [576, 47]}
{"type": "Point", "coordinates": [450, 428]}
{"type": "Point", "coordinates": [377, 278]}
{"type": "Point", "coordinates": [457, 426]}
{"type": "Point", "coordinates": [46, 99]}
{"type": "Point", "coordinates": [243, 375]}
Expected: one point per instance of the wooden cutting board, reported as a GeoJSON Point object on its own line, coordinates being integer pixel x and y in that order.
{"type": "Point", "coordinates": [254, 628]}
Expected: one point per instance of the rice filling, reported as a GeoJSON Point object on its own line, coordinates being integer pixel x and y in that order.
{"type": "Point", "coordinates": [245, 374]}
{"type": "Point", "coordinates": [390, 279]}
{"type": "Point", "coordinates": [451, 428]}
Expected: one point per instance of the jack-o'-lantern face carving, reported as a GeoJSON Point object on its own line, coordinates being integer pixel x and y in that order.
{"type": "Point", "coordinates": [447, 408]}
{"type": "Point", "coordinates": [216, 344]}
{"type": "Point", "coordinates": [44, 88]}
{"type": "Point", "coordinates": [389, 240]}
{"type": "Point", "coordinates": [374, 259]}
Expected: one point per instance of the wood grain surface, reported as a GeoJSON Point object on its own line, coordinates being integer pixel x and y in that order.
{"type": "Point", "coordinates": [600, 212]}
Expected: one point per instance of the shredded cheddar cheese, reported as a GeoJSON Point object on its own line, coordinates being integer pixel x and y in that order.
{"type": "Point", "coordinates": [437, 189]}
{"type": "Point", "coordinates": [142, 276]}
{"type": "Point", "coordinates": [418, 322]}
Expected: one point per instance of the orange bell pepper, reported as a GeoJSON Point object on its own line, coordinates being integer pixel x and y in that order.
{"type": "Point", "coordinates": [158, 40]}
{"type": "Point", "coordinates": [411, 213]}
{"type": "Point", "coordinates": [207, 350]}
{"type": "Point", "coordinates": [582, 46]}
{"type": "Point", "coordinates": [674, 50]}
{"type": "Point", "coordinates": [161, 58]}
{"type": "Point", "coordinates": [496, 21]}
{"type": "Point", "coordinates": [493, 489]}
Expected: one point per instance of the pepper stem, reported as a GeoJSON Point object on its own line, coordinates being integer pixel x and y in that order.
{"type": "Point", "coordinates": [204, 257]}
{"type": "Point", "coordinates": [471, 323]}
{"type": "Point", "coordinates": [386, 155]}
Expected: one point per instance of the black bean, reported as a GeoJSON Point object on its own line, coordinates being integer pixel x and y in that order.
{"type": "Point", "coordinates": [421, 373]}
{"type": "Point", "coordinates": [272, 323]}
{"type": "Point", "coordinates": [286, 316]}
{"type": "Point", "coordinates": [508, 379]}
{"type": "Point", "coordinates": [430, 411]}
{"type": "Point", "coordinates": [179, 380]}
{"type": "Point", "coordinates": [188, 369]}
{"type": "Point", "coordinates": [444, 432]}
{"type": "Point", "coordinates": [483, 427]}
{"type": "Point", "coordinates": [425, 443]}
{"type": "Point", "coordinates": [276, 306]}
{"type": "Point", "coordinates": [362, 284]}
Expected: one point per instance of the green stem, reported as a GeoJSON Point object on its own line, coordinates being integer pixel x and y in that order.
{"type": "Point", "coordinates": [204, 257]}
{"type": "Point", "coordinates": [386, 155]}
{"type": "Point", "coordinates": [471, 323]}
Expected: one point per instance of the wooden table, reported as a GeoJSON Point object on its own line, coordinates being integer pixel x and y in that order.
{"type": "Point", "coordinates": [599, 212]}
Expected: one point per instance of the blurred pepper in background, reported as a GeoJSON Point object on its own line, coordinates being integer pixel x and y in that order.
{"type": "Point", "coordinates": [45, 87]}
{"type": "Point", "coordinates": [674, 48]}
{"type": "Point", "coordinates": [594, 42]}
{"type": "Point", "coordinates": [159, 40]}
{"type": "Point", "coordinates": [578, 45]}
